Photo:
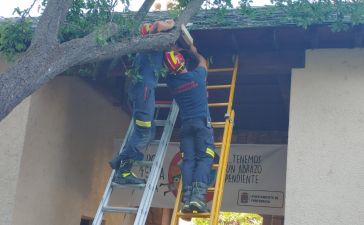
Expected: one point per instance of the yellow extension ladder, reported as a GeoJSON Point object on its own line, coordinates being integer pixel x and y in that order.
{"type": "Point", "coordinates": [224, 154]}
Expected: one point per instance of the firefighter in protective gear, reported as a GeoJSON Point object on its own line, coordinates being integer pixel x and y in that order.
{"type": "Point", "coordinates": [141, 101]}
{"type": "Point", "coordinates": [197, 137]}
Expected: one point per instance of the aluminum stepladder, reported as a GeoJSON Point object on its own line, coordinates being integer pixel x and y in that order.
{"type": "Point", "coordinates": [224, 154]}
{"type": "Point", "coordinates": [156, 165]}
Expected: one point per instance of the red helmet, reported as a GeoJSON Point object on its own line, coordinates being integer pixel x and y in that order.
{"type": "Point", "coordinates": [174, 61]}
{"type": "Point", "coordinates": [144, 28]}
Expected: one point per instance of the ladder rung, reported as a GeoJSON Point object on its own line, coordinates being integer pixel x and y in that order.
{"type": "Point", "coordinates": [215, 166]}
{"type": "Point", "coordinates": [193, 215]}
{"type": "Point", "coordinates": [218, 144]}
{"type": "Point", "coordinates": [163, 105]}
{"type": "Point", "coordinates": [218, 86]}
{"type": "Point", "coordinates": [212, 189]}
{"type": "Point", "coordinates": [128, 186]}
{"type": "Point", "coordinates": [218, 124]}
{"type": "Point", "coordinates": [143, 163]}
{"type": "Point", "coordinates": [220, 70]}
{"type": "Point", "coordinates": [218, 104]}
{"type": "Point", "coordinates": [113, 209]}
{"type": "Point", "coordinates": [161, 85]}
{"type": "Point", "coordinates": [160, 123]}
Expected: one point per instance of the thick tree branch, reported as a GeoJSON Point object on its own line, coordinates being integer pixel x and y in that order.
{"type": "Point", "coordinates": [50, 22]}
{"type": "Point", "coordinates": [103, 68]}
{"type": "Point", "coordinates": [86, 50]}
{"type": "Point", "coordinates": [154, 42]}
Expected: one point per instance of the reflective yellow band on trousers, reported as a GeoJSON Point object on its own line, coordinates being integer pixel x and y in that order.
{"type": "Point", "coordinates": [210, 152]}
{"type": "Point", "coordinates": [143, 123]}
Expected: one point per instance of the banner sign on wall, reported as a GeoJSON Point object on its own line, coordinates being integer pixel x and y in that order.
{"type": "Point", "coordinates": [255, 179]}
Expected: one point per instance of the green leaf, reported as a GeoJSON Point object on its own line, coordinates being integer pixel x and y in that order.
{"type": "Point", "coordinates": [17, 10]}
{"type": "Point", "coordinates": [128, 72]}
{"type": "Point", "coordinates": [19, 47]}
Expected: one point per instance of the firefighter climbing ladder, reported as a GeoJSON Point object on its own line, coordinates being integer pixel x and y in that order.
{"type": "Point", "coordinates": [224, 154]}
{"type": "Point", "coordinates": [149, 187]}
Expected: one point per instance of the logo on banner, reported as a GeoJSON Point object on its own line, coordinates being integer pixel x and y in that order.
{"type": "Point", "coordinates": [244, 198]}
{"type": "Point", "coordinates": [175, 175]}
{"type": "Point", "coordinates": [268, 199]}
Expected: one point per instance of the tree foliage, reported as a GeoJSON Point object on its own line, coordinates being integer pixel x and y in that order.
{"type": "Point", "coordinates": [15, 38]}
{"type": "Point", "coordinates": [230, 218]}
{"type": "Point", "coordinates": [303, 12]}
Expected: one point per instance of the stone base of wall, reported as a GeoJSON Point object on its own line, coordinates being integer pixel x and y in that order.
{"type": "Point", "coordinates": [273, 220]}
{"type": "Point", "coordinates": [159, 216]}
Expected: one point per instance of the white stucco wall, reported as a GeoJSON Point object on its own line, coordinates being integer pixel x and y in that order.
{"type": "Point", "coordinates": [12, 132]}
{"type": "Point", "coordinates": [325, 170]}
{"type": "Point", "coordinates": [68, 143]}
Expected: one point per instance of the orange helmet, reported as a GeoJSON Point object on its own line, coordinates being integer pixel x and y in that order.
{"type": "Point", "coordinates": [174, 61]}
{"type": "Point", "coordinates": [144, 28]}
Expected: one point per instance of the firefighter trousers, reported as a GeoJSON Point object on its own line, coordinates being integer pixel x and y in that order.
{"type": "Point", "coordinates": [197, 149]}
{"type": "Point", "coordinates": [142, 104]}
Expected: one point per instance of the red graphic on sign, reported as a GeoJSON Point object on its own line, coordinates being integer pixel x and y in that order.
{"type": "Point", "coordinates": [174, 176]}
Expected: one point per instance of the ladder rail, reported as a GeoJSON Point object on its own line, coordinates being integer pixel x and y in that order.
{"type": "Point", "coordinates": [233, 81]}
{"type": "Point", "coordinates": [106, 197]}
{"type": "Point", "coordinates": [177, 203]}
{"type": "Point", "coordinates": [215, 210]}
{"type": "Point", "coordinates": [149, 188]}
{"type": "Point", "coordinates": [157, 166]}
{"type": "Point", "coordinates": [216, 204]}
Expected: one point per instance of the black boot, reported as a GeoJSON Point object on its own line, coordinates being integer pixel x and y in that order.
{"type": "Point", "coordinates": [187, 192]}
{"type": "Point", "coordinates": [115, 162]}
{"type": "Point", "coordinates": [198, 201]}
{"type": "Point", "coordinates": [125, 176]}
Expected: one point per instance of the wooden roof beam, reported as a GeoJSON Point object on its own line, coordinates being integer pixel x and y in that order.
{"type": "Point", "coordinates": [358, 38]}
{"type": "Point", "coordinates": [275, 39]}
{"type": "Point", "coordinates": [196, 42]}
{"type": "Point", "coordinates": [285, 86]}
{"type": "Point", "coordinates": [314, 37]}
{"type": "Point", "coordinates": [230, 40]}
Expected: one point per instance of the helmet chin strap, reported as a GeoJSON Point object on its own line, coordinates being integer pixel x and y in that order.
{"type": "Point", "coordinates": [179, 71]}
